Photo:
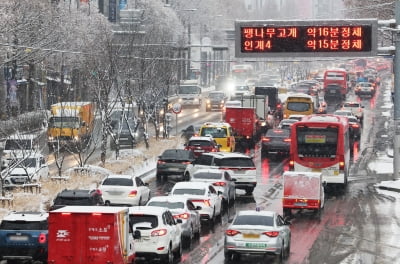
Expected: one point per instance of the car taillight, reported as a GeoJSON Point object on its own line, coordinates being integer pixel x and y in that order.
{"type": "Point", "coordinates": [207, 203]}
{"type": "Point", "coordinates": [219, 183]}
{"type": "Point", "coordinates": [266, 139]}
{"type": "Point", "coordinates": [286, 140]}
{"type": "Point", "coordinates": [159, 232]}
{"type": "Point", "coordinates": [271, 233]}
{"type": "Point", "coordinates": [291, 164]}
{"type": "Point", "coordinates": [355, 125]}
{"type": "Point", "coordinates": [42, 238]}
{"type": "Point", "coordinates": [160, 162]}
{"type": "Point", "coordinates": [182, 216]}
{"type": "Point", "coordinates": [231, 232]}
{"type": "Point", "coordinates": [341, 162]}
{"type": "Point", "coordinates": [132, 193]}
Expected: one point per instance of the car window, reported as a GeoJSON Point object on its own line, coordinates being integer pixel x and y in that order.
{"type": "Point", "coordinates": [190, 205]}
{"type": "Point", "coordinates": [215, 132]}
{"type": "Point", "coordinates": [177, 154]}
{"type": "Point", "coordinates": [207, 175]}
{"type": "Point", "coordinates": [212, 190]}
{"type": "Point", "coordinates": [204, 160]}
{"type": "Point", "coordinates": [150, 220]}
{"type": "Point", "coordinates": [189, 191]}
{"type": "Point", "coordinates": [118, 182]}
{"type": "Point", "coordinates": [200, 143]}
{"type": "Point", "coordinates": [254, 220]}
{"type": "Point", "coordinates": [169, 205]}
{"type": "Point", "coordinates": [23, 225]}
{"type": "Point", "coordinates": [227, 176]}
{"type": "Point", "coordinates": [234, 162]}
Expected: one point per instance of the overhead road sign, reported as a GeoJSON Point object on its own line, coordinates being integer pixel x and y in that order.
{"type": "Point", "coordinates": [310, 38]}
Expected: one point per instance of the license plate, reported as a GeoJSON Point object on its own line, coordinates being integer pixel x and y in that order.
{"type": "Point", "coordinates": [173, 169]}
{"type": "Point", "coordinates": [300, 204]}
{"type": "Point", "coordinates": [332, 91]}
{"type": "Point", "coordinates": [198, 150]}
{"type": "Point", "coordinates": [18, 238]}
{"type": "Point", "coordinates": [256, 245]}
{"type": "Point", "coordinates": [316, 170]}
{"type": "Point", "coordinates": [251, 236]}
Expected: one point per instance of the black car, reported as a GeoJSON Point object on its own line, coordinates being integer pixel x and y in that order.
{"type": "Point", "coordinates": [127, 130]}
{"type": "Point", "coordinates": [77, 197]}
{"type": "Point", "coordinates": [355, 127]}
{"type": "Point", "coordinates": [173, 162]}
{"type": "Point", "coordinates": [215, 101]}
{"type": "Point", "coordinates": [276, 142]}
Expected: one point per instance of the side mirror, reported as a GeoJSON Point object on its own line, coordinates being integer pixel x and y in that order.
{"type": "Point", "coordinates": [179, 221]}
{"type": "Point", "coordinates": [198, 207]}
{"type": "Point", "coordinates": [146, 184]}
{"type": "Point", "coordinates": [287, 220]}
{"type": "Point", "coordinates": [136, 234]}
{"type": "Point", "coordinates": [233, 179]}
{"type": "Point", "coordinates": [219, 193]}
{"type": "Point", "coordinates": [185, 145]}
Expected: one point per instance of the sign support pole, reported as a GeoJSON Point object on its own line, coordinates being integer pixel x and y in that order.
{"type": "Point", "coordinates": [396, 101]}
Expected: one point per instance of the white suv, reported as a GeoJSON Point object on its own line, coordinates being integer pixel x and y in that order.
{"type": "Point", "coordinates": [160, 233]}
{"type": "Point", "coordinates": [241, 166]}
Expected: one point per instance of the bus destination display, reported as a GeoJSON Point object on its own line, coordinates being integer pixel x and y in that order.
{"type": "Point", "coordinates": [291, 39]}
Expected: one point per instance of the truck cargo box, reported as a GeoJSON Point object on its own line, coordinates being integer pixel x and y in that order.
{"type": "Point", "coordinates": [84, 235]}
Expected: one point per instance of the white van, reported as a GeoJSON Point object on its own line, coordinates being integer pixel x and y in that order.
{"type": "Point", "coordinates": [189, 93]}
{"type": "Point", "coordinates": [19, 146]}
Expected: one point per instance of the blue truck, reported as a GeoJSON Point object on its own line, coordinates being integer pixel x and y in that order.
{"type": "Point", "coordinates": [23, 237]}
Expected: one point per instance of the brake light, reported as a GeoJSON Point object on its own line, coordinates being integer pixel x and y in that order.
{"type": "Point", "coordinates": [355, 125]}
{"type": "Point", "coordinates": [271, 233]}
{"type": "Point", "coordinates": [278, 106]}
{"type": "Point", "coordinates": [132, 193]}
{"type": "Point", "coordinates": [291, 164]}
{"type": "Point", "coordinates": [287, 140]}
{"type": "Point", "coordinates": [206, 202]}
{"type": "Point", "coordinates": [182, 216]}
{"type": "Point", "coordinates": [341, 162]}
{"type": "Point", "coordinates": [159, 232]}
{"type": "Point", "coordinates": [42, 238]}
{"type": "Point", "coordinates": [231, 232]}
{"type": "Point", "coordinates": [219, 183]}
{"type": "Point", "coordinates": [266, 139]}
{"type": "Point", "coordinates": [160, 162]}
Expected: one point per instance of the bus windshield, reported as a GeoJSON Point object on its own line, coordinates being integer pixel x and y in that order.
{"type": "Point", "coordinates": [317, 142]}
{"type": "Point", "coordinates": [298, 106]}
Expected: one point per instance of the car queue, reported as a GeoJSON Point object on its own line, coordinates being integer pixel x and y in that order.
{"type": "Point", "coordinates": [211, 172]}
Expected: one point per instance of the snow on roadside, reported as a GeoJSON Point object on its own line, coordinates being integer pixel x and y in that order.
{"type": "Point", "coordinates": [131, 161]}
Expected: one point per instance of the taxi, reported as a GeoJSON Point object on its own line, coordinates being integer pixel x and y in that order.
{"type": "Point", "coordinates": [222, 133]}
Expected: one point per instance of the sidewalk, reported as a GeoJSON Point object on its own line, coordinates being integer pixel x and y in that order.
{"type": "Point", "coordinates": [383, 164]}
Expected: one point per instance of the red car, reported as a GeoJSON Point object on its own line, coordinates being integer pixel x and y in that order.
{"type": "Point", "coordinates": [200, 145]}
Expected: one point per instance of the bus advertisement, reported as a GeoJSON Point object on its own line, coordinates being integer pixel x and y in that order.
{"type": "Point", "coordinates": [335, 84]}
{"type": "Point", "coordinates": [320, 143]}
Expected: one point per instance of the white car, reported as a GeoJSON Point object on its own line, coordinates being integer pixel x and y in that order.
{"type": "Point", "coordinates": [181, 208]}
{"type": "Point", "coordinates": [221, 180]}
{"type": "Point", "coordinates": [119, 189]}
{"type": "Point", "coordinates": [160, 234]}
{"type": "Point", "coordinates": [201, 194]}
{"type": "Point", "coordinates": [30, 169]}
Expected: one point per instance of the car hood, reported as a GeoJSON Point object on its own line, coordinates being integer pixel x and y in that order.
{"type": "Point", "coordinates": [22, 171]}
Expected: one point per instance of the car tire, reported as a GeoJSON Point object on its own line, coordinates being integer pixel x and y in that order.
{"type": "Point", "coordinates": [169, 258]}
{"type": "Point", "coordinates": [178, 252]}
{"type": "Point", "coordinates": [249, 190]}
{"type": "Point", "coordinates": [287, 251]}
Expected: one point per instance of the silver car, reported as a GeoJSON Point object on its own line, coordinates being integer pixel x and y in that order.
{"type": "Point", "coordinates": [255, 232]}
{"type": "Point", "coordinates": [182, 208]}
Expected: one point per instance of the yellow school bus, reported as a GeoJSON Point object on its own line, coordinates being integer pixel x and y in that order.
{"type": "Point", "coordinates": [298, 104]}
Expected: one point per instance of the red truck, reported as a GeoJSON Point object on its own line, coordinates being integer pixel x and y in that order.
{"type": "Point", "coordinates": [244, 124]}
{"type": "Point", "coordinates": [95, 234]}
{"type": "Point", "coordinates": [302, 191]}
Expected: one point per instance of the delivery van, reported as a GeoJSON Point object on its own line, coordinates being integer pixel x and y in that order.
{"type": "Point", "coordinates": [91, 235]}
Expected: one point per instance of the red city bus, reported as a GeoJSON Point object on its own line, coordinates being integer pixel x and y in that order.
{"type": "Point", "coordinates": [321, 143]}
{"type": "Point", "coordinates": [335, 84]}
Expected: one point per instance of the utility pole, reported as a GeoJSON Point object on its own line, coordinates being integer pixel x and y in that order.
{"type": "Point", "coordinates": [396, 102]}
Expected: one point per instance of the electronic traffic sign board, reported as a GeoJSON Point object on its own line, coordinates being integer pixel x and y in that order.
{"type": "Point", "coordinates": [309, 38]}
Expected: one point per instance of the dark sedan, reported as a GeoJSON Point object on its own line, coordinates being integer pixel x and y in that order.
{"type": "Point", "coordinates": [276, 142]}
{"type": "Point", "coordinates": [173, 162]}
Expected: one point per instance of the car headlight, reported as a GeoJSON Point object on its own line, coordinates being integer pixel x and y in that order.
{"type": "Point", "coordinates": [76, 138]}
{"type": "Point", "coordinates": [51, 138]}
